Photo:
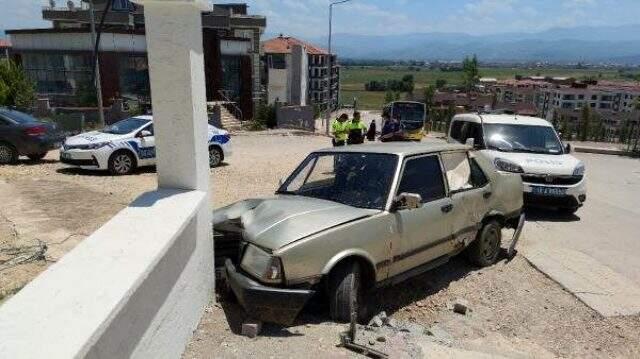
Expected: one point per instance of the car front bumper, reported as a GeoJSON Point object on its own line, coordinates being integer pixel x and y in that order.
{"type": "Point", "coordinates": [80, 158]}
{"type": "Point", "coordinates": [270, 304]}
{"type": "Point", "coordinates": [573, 196]}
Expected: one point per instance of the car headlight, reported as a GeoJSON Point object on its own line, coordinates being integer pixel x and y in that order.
{"type": "Point", "coordinates": [507, 166]}
{"type": "Point", "coordinates": [262, 265]}
{"type": "Point", "coordinates": [579, 171]}
{"type": "Point", "coordinates": [95, 146]}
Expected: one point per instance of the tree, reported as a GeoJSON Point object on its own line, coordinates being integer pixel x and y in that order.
{"type": "Point", "coordinates": [388, 97]}
{"type": "Point", "coordinates": [564, 128]}
{"type": "Point", "coordinates": [16, 89]}
{"type": "Point", "coordinates": [471, 73]}
{"type": "Point", "coordinates": [440, 83]}
{"type": "Point", "coordinates": [429, 93]}
{"type": "Point", "coordinates": [585, 123]}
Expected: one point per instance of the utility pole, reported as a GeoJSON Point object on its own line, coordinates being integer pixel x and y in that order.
{"type": "Point", "coordinates": [330, 64]}
{"type": "Point", "coordinates": [96, 66]}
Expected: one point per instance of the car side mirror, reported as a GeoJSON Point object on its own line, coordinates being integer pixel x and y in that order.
{"type": "Point", "coordinates": [567, 148]}
{"type": "Point", "coordinates": [407, 201]}
{"type": "Point", "coordinates": [144, 133]}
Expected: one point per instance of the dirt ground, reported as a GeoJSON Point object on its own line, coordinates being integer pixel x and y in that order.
{"type": "Point", "coordinates": [516, 311]}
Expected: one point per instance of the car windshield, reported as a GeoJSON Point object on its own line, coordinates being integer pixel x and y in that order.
{"type": "Point", "coordinates": [126, 126]}
{"type": "Point", "coordinates": [522, 138]}
{"type": "Point", "coordinates": [18, 117]}
{"type": "Point", "coordinates": [355, 179]}
{"type": "Point", "coordinates": [411, 115]}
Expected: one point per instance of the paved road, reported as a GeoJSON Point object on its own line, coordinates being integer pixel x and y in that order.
{"type": "Point", "coordinates": [596, 253]}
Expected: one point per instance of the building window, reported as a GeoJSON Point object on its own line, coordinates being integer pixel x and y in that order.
{"type": "Point", "coordinates": [134, 77]}
{"type": "Point", "coordinates": [594, 97]}
{"type": "Point", "coordinates": [277, 61]}
{"type": "Point", "coordinates": [593, 105]}
{"type": "Point", "coordinates": [56, 73]}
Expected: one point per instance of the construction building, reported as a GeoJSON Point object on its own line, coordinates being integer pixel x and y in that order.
{"type": "Point", "coordinates": [297, 73]}
{"type": "Point", "coordinates": [59, 59]}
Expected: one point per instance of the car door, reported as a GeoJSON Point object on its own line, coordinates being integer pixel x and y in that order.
{"type": "Point", "coordinates": [424, 233]}
{"type": "Point", "coordinates": [147, 147]}
{"type": "Point", "coordinates": [469, 191]}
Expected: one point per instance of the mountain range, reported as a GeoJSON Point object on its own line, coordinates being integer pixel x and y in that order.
{"type": "Point", "coordinates": [610, 44]}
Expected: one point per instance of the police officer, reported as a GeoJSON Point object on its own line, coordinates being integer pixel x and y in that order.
{"type": "Point", "coordinates": [357, 130]}
{"type": "Point", "coordinates": [340, 130]}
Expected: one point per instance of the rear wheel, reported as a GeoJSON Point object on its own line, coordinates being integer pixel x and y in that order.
{"type": "Point", "coordinates": [8, 154]}
{"type": "Point", "coordinates": [485, 249]}
{"type": "Point", "coordinates": [37, 156]}
{"type": "Point", "coordinates": [215, 157]}
{"type": "Point", "coordinates": [346, 294]}
{"type": "Point", "coordinates": [122, 163]}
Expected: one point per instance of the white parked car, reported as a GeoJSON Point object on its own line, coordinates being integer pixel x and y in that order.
{"type": "Point", "coordinates": [128, 144]}
{"type": "Point", "coordinates": [530, 146]}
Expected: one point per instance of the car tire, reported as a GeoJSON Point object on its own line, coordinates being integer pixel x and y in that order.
{"type": "Point", "coordinates": [121, 163]}
{"type": "Point", "coordinates": [346, 292]}
{"type": "Point", "coordinates": [485, 249]}
{"type": "Point", "coordinates": [215, 156]}
{"type": "Point", "coordinates": [8, 154]}
{"type": "Point", "coordinates": [37, 156]}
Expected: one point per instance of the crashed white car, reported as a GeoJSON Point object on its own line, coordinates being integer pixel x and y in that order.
{"type": "Point", "coordinates": [529, 146]}
{"type": "Point", "coordinates": [128, 144]}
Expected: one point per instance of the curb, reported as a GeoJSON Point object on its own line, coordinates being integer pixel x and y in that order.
{"type": "Point", "coordinates": [603, 151]}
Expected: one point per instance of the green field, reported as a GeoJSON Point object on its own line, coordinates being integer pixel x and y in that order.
{"type": "Point", "coordinates": [353, 79]}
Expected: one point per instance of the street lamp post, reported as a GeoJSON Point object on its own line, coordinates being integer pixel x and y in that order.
{"type": "Point", "coordinates": [330, 64]}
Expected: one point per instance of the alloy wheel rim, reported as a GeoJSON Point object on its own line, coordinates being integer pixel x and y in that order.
{"type": "Point", "coordinates": [5, 154]}
{"type": "Point", "coordinates": [122, 164]}
{"type": "Point", "coordinates": [214, 158]}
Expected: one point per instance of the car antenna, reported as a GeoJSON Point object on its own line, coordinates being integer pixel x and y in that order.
{"type": "Point", "coordinates": [481, 126]}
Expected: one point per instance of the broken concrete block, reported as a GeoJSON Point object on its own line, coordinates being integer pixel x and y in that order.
{"type": "Point", "coordinates": [251, 328]}
{"type": "Point", "coordinates": [376, 322]}
{"type": "Point", "coordinates": [461, 306]}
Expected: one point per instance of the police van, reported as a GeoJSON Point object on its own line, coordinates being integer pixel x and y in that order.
{"type": "Point", "coordinates": [529, 146]}
{"type": "Point", "coordinates": [128, 144]}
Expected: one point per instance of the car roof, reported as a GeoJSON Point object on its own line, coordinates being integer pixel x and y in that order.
{"type": "Point", "coordinates": [399, 148]}
{"type": "Point", "coordinates": [503, 119]}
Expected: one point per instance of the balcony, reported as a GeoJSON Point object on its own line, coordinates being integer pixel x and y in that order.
{"type": "Point", "coordinates": [82, 16]}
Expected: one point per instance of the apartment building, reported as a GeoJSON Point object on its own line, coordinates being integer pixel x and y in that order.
{"type": "Point", "coordinates": [59, 58]}
{"type": "Point", "coordinates": [322, 84]}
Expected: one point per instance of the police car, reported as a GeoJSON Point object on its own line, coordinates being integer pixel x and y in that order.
{"type": "Point", "coordinates": [128, 144]}
{"type": "Point", "coordinates": [552, 177]}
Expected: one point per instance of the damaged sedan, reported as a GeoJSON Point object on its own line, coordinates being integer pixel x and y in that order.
{"type": "Point", "coordinates": [349, 220]}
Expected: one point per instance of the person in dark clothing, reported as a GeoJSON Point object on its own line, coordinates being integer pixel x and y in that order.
{"type": "Point", "coordinates": [371, 133]}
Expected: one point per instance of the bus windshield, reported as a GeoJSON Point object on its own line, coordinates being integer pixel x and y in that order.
{"type": "Point", "coordinates": [411, 115]}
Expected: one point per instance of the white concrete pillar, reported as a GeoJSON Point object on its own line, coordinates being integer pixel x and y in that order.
{"type": "Point", "coordinates": [176, 69]}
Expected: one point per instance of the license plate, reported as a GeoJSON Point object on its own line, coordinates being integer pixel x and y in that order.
{"type": "Point", "coordinates": [549, 191]}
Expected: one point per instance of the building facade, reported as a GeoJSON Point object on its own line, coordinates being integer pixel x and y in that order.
{"type": "Point", "coordinates": [59, 59]}
{"type": "Point", "coordinates": [321, 83]}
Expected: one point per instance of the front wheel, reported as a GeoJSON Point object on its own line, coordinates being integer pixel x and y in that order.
{"type": "Point", "coordinates": [485, 249]}
{"type": "Point", "coordinates": [121, 163]}
{"type": "Point", "coordinates": [346, 292]}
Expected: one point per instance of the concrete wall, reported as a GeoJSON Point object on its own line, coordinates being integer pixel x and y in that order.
{"type": "Point", "coordinates": [299, 75]}
{"type": "Point", "coordinates": [78, 42]}
{"type": "Point", "coordinates": [278, 86]}
{"type": "Point", "coordinates": [121, 292]}
{"type": "Point", "coordinates": [296, 117]}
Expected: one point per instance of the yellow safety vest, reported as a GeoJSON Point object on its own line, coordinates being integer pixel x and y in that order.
{"type": "Point", "coordinates": [340, 130]}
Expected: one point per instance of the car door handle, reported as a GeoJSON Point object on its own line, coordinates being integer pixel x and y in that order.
{"type": "Point", "coordinates": [446, 208]}
{"type": "Point", "coordinates": [487, 194]}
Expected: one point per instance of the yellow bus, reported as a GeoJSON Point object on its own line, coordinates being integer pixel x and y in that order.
{"type": "Point", "coordinates": [403, 121]}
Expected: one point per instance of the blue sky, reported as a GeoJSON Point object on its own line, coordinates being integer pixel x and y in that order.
{"type": "Point", "coordinates": [308, 18]}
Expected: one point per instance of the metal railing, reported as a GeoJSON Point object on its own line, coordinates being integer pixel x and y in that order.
{"type": "Point", "coordinates": [231, 106]}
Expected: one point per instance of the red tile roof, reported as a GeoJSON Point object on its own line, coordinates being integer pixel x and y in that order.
{"type": "Point", "coordinates": [5, 43]}
{"type": "Point", "coordinates": [283, 44]}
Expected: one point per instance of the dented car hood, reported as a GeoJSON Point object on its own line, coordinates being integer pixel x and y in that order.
{"type": "Point", "coordinates": [272, 223]}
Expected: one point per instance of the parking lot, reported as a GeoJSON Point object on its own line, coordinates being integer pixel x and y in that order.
{"type": "Point", "coordinates": [517, 310]}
